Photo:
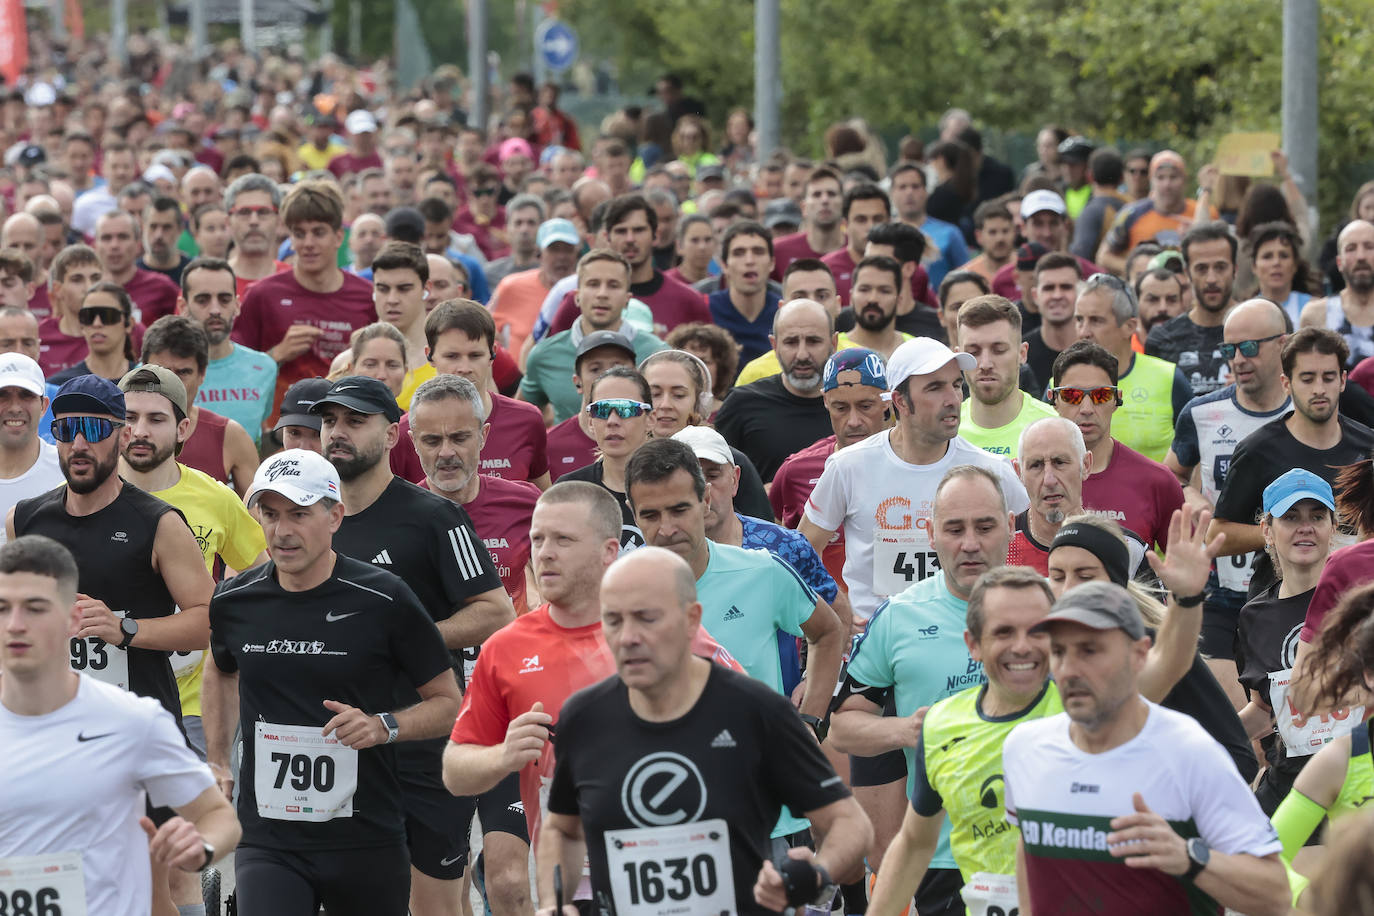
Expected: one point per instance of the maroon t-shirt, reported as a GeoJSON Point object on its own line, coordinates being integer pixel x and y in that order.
{"type": "Point", "coordinates": [39, 303]}
{"type": "Point", "coordinates": [1139, 493]}
{"type": "Point", "coordinates": [842, 264]}
{"type": "Point", "coordinates": [791, 488]}
{"type": "Point", "coordinates": [1362, 374]}
{"type": "Point", "coordinates": [58, 351]}
{"type": "Point", "coordinates": [204, 451]}
{"type": "Point", "coordinates": [347, 163]}
{"type": "Point", "coordinates": [405, 461]}
{"type": "Point", "coordinates": [154, 294]}
{"type": "Point", "coordinates": [1345, 569]}
{"type": "Point", "coordinates": [790, 248]}
{"type": "Point", "coordinates": [569, 448]}
{"type": "Point", "coordinates": [672, 302]}
{"type": "Point", "coordinates": [493, 244]}
{"type": "Point", "coordinates": [501, 516]}
{"type": "Point", "coordinates": [277, 302]}
{"type": "Point", "coordinates": [516, 447]}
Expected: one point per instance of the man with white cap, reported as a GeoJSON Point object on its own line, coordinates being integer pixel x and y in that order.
{"type": "Point", "coordinates": [362, 145]}
{"type": "Point", "coordinates": [327, 661]}
{"type": "Point", "coordinates": [881, 490]}
{"type": "Point", "coordinates": [516, 301]}
{"type": "Point", "coordinates": [1046, 220]}
{"type": "Point", "coordinates": [28, 465]}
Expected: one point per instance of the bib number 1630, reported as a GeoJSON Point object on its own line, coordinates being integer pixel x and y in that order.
{"type": "Point", "coordinates": [676, 879]}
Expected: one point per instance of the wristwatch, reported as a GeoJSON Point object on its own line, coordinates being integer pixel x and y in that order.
{"type": "Point", "coordinates": [1199, 854]}
{"type": "Point", "coordinates": [1190, 600]}
{"type": "Point", "coordinates": [209, 855]}
{"type": "Point", "coordinates": [817, 725]}
{"type": "Point", "coordinates": [393, 729]}
{"type": "Point", "coordinates": [129, 627]}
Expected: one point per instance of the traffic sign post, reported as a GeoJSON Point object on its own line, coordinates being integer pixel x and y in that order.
{"type": "Point", "coordinates": [555, 43]}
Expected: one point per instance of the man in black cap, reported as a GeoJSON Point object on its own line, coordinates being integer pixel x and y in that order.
{"type": "Point", "coordinates": [299, 428]}
{"type": "Point", "coordinates": [429, 542]}
{"type": "Point", "coordinates": [140, 563]}
{"type": "Point", "coordinates": [782, 216]}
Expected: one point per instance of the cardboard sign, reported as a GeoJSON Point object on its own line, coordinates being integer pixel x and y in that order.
{"type": "Point", "coordinates": [1247, 154]}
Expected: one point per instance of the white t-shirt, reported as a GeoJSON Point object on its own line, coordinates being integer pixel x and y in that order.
{"type": "Point", "coordinates": [45, 474]}
{"type": "Point", "coordinates": [1063, 799]}
{"type": "Point", "coordinates": [884, 504]}
{"type": "Point", "coordinates": [74, 781]}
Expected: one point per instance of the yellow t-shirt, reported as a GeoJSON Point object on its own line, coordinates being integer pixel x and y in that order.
{"type": "Point", "coordinates": [314, 158]}
{"type": "Point", "coordinates": [767, 365]}
{"type": "Point", "coordinates": [414, 379]}
{"type": "Point", "coordinates": [224, 529]}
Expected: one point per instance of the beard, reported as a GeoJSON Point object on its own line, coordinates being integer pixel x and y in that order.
{"type": "Point", "coordinates": [872, 322]}
{"type": "Point", "coordinates": [143, 464]}
{"type": "Point", "coordinates": [100, 473]}
{"type": "Point", "coordinates": [1360, 279]}
{"type": "Point", "coordinates": [452, 485]}
{"type": "Point", "coordinates": [357, 464]}
{"type": "Point", "coordinates": [803, 382]}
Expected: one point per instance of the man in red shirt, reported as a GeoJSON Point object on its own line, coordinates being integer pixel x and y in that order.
{"type": "Point", "coordinates": [118, 242]}
{"type": "Point", "coordinates": [1052, 462]}
{"type": "Point", "coordinates": [460, 340]}
{"type": "Point", "coordinates": [528, 668]}
{"type": "Point", "coordinates": [362, 145]}
{"type": "Point", "coordinates": [303, 317]}
{"type": "Point", "coordinates": [483, 217]}
{"type": "Point", "coordinates": [60, 343]}
{"type": "Point", "coordinates": [865, 206]}
{"type": "Point", "coordinates": [824, 230]}
{"type": "Point", "coordinates": [253, 201]}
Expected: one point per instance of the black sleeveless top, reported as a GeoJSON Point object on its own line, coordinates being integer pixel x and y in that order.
{"type": "Point", "coordinates": [114, 556]}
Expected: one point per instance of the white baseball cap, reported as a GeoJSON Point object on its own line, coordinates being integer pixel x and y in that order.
{"type": "Point", "coordinates": [1036, 201]}
{"type": "Point", "coordinates": [707, 443]}
{"type": "Point", "coordinates": [922, 356]}
{"type": "Point", "coordinates": [19, 371]}
{"type": "Point", "coordinates": [302, 476]}
{"type": "Point", "coordinates": [360, 122]}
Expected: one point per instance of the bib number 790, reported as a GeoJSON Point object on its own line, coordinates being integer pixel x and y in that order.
{"type": "Point", "coordinates": [306, 772]}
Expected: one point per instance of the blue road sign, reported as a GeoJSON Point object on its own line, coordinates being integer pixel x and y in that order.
{"type": "Point", "coordinates": [557, 44]}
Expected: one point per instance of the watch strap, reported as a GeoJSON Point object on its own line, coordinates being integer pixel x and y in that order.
{"type": "Point", "coordinates": [1190, 600]}
{"type": "Point", "coordinates": [1195, 865]}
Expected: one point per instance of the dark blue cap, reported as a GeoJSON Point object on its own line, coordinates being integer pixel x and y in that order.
{"type": "Point", "coordinates": [89, 395]}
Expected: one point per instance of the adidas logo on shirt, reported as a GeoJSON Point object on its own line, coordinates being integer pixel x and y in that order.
{"type": "Point", "coordinates": [382, 558]}
{"type": "Point", "coordinates": [734, 613]}
{"type": "Point", "coordinates": [724, 739]}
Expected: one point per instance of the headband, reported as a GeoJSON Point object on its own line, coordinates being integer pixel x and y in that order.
{"type": "Point", "coordinates": [1099, 542]}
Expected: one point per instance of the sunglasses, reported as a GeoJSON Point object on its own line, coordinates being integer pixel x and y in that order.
{"type": "Point", "coordinates": [483, 192]}
{"type": "Point", "coordinates": [1075, 395]}
{"type": "Point", "coordinates": [259, 212]}
{"type": "Point", "coordinates": [1111, 280]}
{"type": "Point", "coordinates": [1246, 347]}
{"type": "Point", "coordinates": [108, 316]}
{"type": "Point", "coordinates": [92, 429]}
{"type": "Point", "coordinates": [625, 408]}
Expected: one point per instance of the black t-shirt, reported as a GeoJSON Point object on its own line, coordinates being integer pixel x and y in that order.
{"type": "Point", "coordinates": [1200, 695]}
{"type": "Point", "coordinates": [770, 424]}
{"type": "Point", "coordinates": [361, 638]}
{"type": "Point", "coordinates": [1040, 358]}
{"type": "Point", "coordinates": [171, 273]}
{"type": "Point", "coordinates": [1267, 640]}
{"type": "Point", "coordinates": [1194, 349]}
{"type": "Point", "coordinates": [114, 551]}
{"type": "Point", "coordinates": [630, 535]}
{"type": "Point", "coordinates": [430, 543]}
{"type": "Point", "coordinates": [736, 758]}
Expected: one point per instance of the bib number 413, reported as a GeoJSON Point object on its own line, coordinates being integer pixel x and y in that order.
{"type": "Point", "coordinates": [916, 565]}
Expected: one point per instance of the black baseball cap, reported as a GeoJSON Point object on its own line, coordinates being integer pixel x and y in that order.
{"type": "Point", "coordinates": [362, 394]}
{"type": "Point", "coordinates": [598, 339]}
{"type": "Point", "coordinates": [32, 155]}
{"type": "Point", "coordinates": [299, 398]}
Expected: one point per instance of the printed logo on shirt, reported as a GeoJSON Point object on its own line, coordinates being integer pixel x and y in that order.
{"type": "Point", "coordinates": [1077, 787]}
{"type": "Point", "coordinates": [662, 789]}
{"type": "Point", "coordinates": [724, 739]}
{"type": "Point", "coordinates": [516, 807]}
{"type": "Point", "coordinates": [568, 459]}
{"type": "Point", "coordinates": [286, 302]}
{"type": "Point", "coordinates": [494, 464]}
{"type": "Point", "coordinates": [1114, 514]}
{"type": "Point", "coordinates": [734, 613]}
{"type": "Point", "coordinates": [495, 544]}
{"type": "Point", "coordinates": [291, 647]}
{"type": "Point", "coordinates": [120, 537]}
{"type": "Point", "coordinates": [929, 632]}
{"type": "Point", "coordinates": [332, 617]}
{"type": "Point", "coordinates": [531, 665]}
{"type": "Point", "coordinates": [972, 676]}
{"type": "Point", "coordinates": [382, 558]}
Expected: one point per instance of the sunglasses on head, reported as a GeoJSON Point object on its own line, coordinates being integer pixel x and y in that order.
{"type": "Point", "coordinates": [1075, 395]}
{"type": "Point", "coordinates": [108, 316]}
{"type": "Point", "coordinates": [1246, 347]}
{"type": "Point", "coordinates": [625, 408]}
{"type": "Point", "coordinates": [92, 429]}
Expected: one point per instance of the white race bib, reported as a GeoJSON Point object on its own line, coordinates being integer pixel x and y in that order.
{"type": "Point", "coordinates": [1306, 739]}
{"type": "Point", "coordinates": [684, 869]}
{"type": "Point", "coordinates": [901, 559]}
{"type": "Point", "coordinates": [991, 895]}
{"type": "Point", "coordinates": [301, 775]}
{"type": "Point", "coordinates": [1234, 572]}
{"type": "Point", "coordinates": [48, 885]}
{"type": "Point", "coordinates": [101, 660]}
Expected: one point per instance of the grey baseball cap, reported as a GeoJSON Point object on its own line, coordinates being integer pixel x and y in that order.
{"type": "Point", "coordinates": [1100, 605]}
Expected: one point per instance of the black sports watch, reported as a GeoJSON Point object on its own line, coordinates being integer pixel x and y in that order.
{"type": "Point", "coordinates": [821, 727]}
{"type": "Point", "coordinates": [129, 627]}
{"type": "Point", "coordinates": [1199, 854]}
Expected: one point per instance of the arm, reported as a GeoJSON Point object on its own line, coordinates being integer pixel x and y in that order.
{"type": "Point", "coordinates": [1256, 718]}
{"type": "Point", "coordinates": [471, 769]}
{"type": "Point", "coordinates": [859, 727]}
{"type": "Point", "coordinates": [1183, 571]}
{"type": "Point", "coordinates": [1109, 260]}
{"type": "Point", "coordinates": [1182, 472]}
{"type": "Point", "coordinates": [207, 818]}
{"type": "Point", "coordinates": [240, 456]}
{"type": "Point", "coordinates": [9, 525]}
{"type": "Point", "coordinates": [905, 863]}
{"type": "Point", "coordinates": [561, 844]}
{"type": "Point", "coordinates": [1022, 885]}
{"type": "Point", "coordinates": [177, 558]}
{"type": "Point", "coordinates": [814, 533]}
{"type": "Point", "coordinates": [542, 481]}
{"type": "Point", "coordinates": [482, 615]}
{"type": "Point", "coordinates": [432, 717]}
{"type": "Point", "coordinates": [848, 834]}
{"type": "Point", "coordinates": [219, 716]}
{"type": "Point", "coordinates": [825, 637]}
{"type": "Point", "coordinates": [1240, 538]}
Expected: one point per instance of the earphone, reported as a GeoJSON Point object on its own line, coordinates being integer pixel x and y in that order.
{"type": "Point", "coordinates": [705, 399]}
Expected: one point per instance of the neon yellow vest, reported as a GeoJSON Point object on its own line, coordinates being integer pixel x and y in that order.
{"type": "Point", "coordinates": [1145, 419]}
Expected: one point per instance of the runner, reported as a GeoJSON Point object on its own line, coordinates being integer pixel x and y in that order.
{"type": "Point", "coordinates": [989, 330]}
{"type": "Point", "coordinates": [742, 751]}
{"type": "Point", "coordinates": [28, 465]}
{"type": "Point", "coordinates": [570, 445]}
{"type": "Point", "coordinates": [144, 590]}
{"type": "Point", "coordinates": [297, 426]}
{"type": "Point", "coordinates": [1191, 340]}
{"type": "Point", "coordinates": [1123, 772]}
{"type": "Point", "coordinates": [311, 652]}
{"type": "Point", "coordinates": [69, 851]}
{"type": "Point", "coordinates": [618, 407]}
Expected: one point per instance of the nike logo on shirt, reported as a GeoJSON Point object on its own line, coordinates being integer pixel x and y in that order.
{"type": "Point", "coordinates": [81, 737]}
{"type": "Point", "coordinates": [331, 617]}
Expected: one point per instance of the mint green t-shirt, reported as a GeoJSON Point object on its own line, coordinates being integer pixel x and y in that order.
{"type": "Point", "coordinates": [1003, 440]}
{"type": "Point", "coordinates": [914, 644]}
{"type": "Point", "coordinates": [549, 370]}
{"type": "Point", "coordinates": [241, 387]}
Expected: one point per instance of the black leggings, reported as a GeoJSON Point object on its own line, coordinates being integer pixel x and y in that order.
{"type": "Point", "coordinates": [349, 882]}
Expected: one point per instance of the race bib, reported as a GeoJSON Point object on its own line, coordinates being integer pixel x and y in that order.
{"type": "Point", "coordinates": [987, 894]}
{"type": "Point", "coordinates": [1306, 739]}
{"type": "Point", "coordinates": [48, 885]}
{"type": "Point", "coordinates": [657, 870]}
{"type": "Point", "coordinates": [301, 775]}
{"type": "Point", "coordinates": [901, 559]}
{"type": "Point", "coordinates": [101, 660]}
{"type": "Point", "coordinates": [1234, 572]}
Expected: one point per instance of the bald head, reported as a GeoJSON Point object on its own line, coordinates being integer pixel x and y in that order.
{"type": "Point", "coordinates": [40, 203]}
{"type": "Point", "coordinates": [23, 231]}
{"type": "Point", "coordinates": [650, 567]}
{"type": "Point", "coordinates": [1259, 317]}
{"type": "Point", "coordinates": [1355, 228]}
{"type": "Point", "coordinates": [801, 311]}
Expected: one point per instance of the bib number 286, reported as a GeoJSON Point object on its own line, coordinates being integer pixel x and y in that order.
{"type": "Point", "coordinates": [48, 885]}
{"type": "Point", "coordinates": [45, 901]}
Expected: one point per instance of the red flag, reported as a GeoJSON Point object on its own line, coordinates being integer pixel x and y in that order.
{"type": "Point", "coordinates": [14, 41]}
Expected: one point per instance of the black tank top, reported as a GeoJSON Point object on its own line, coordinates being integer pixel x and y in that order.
{"type": "Point", "coordinates": [114, 556]}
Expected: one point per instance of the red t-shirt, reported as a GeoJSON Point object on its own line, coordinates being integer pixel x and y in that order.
{"type": "Point", "coordinates": [1362, 374]}
{"type": "Point", "coordinates": [842, 264]}
{"type": "Point", "coordinates": [204, 451]}
{"type": "Point", "coordinates": [569, 448]}
{"type": "Point", "coordinates": [516, 447]}
{"type": "Point", "coordinates": [534, 660]}
{"type": "Point", "coordinates": [791, 488]}
{"type": "Point", "coordinates": [277, 302]}
{"type": "Point", "coordinates": [501, 516]}
{"type": "Point", "coordinates": [1139, 493]}
{"type": "Point", "coordinates": [154, 294]}
{"type": "Point", "coordinates": [790, 248]}
{"type": "Point", "coordinates": [58, 351]}
{"type": "Point", "coordinates": [1025, 551]}
{"type": "Point", "coordinates": [672, 302]}
{"type": "Point", "coordinates": [347, 163]}
{"type": "Point", "coordinates": [492, 243]}
{"type": "Point", "coordinates": [242, 284]}
{"type": "Point", "coordinates": [39, 303]}
{"type": "Point", "coordinates": [1345, 569]}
